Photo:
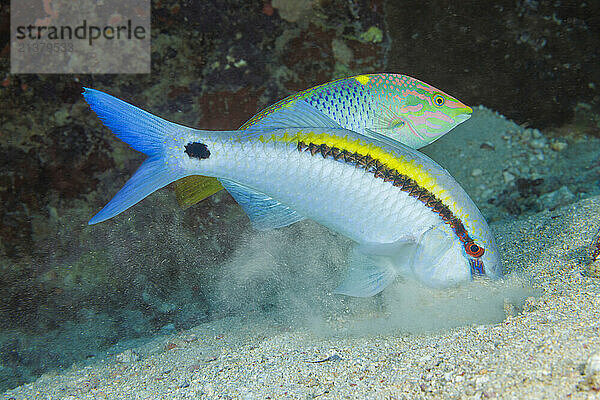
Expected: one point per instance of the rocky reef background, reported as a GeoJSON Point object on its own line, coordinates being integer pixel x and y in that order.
{"type": "Point", "coordinates": [67, 291]}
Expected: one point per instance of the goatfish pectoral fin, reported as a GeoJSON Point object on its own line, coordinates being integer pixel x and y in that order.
{"type": "Point", "coordinates": [144, 132]}
{"type": "Point", "coordinates": [264, 212]}
{"type": "Point", "coordinates": [434, 263]}
{"type": "Point", "coordinates": [374, 266]}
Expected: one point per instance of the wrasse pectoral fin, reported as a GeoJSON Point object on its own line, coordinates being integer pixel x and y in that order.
{"type": "Point", "coordinates": [264, 212]}
{"type": "Point", "coordinates": [382, 138]}
{"type": "Point", "coordinates": [374, 266]}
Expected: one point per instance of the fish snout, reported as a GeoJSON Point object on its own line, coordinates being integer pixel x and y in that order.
{"type": "Point", "coordinates": [460, 118]}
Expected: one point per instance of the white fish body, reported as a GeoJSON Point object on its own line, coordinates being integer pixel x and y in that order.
{"type": "Point", "coordinates": [407, 215]}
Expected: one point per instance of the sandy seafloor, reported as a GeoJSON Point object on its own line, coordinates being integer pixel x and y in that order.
{"type": "Point", "coordinates": [529, 335]}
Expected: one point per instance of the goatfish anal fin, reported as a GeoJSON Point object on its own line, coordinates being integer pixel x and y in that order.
{"type": "Point", "coordinates": [193, 189]}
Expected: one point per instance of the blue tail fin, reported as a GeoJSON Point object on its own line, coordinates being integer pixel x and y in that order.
{"type": "Point", "coordinates": [143, 132]}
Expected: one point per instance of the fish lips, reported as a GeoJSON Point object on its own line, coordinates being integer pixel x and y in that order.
{"type": "Point", "coordinates": [460, 118]}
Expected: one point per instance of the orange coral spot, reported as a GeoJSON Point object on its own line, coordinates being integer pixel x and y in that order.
{"type": "Point", "coordinates": [268, 9]}
{"type": "Point", "coordinates": [170, 346]}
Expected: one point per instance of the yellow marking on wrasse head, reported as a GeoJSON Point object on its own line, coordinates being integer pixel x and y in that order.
{"type": "Point", "coordinates": [363, 79]}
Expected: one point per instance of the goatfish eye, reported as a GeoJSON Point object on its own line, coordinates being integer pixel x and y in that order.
{"type": "Point", "coordinates": [438, 100]}
{"type": "Point", "coordinates": [474, 250]}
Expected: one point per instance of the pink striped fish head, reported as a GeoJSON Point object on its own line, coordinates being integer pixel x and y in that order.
{"type": "Point", "coordinates": [412, 111]}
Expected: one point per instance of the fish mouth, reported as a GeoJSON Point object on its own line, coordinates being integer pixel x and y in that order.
{"type": "Point", "coordinates": [462, 117]}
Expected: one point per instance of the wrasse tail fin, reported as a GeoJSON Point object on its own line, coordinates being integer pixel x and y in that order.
{"type": "Point", "coordinates": [144, 132]}
{"type": "Point", "coordinates": [195, 188]}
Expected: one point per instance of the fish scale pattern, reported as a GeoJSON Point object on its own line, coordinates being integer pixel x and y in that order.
{"type": "Point", "coordinates": [404, 183]}
{"type": "Point", "coordinates": [347, 102]}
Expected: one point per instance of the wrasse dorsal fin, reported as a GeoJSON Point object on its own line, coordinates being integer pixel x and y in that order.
{"type": "Point", "coordinates": [297, 114]}
{"type": "Point", "coordinates": [264, 212]}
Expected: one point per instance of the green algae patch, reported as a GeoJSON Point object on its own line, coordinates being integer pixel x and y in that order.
{"type": "Point", "coordinates": [372, 35]}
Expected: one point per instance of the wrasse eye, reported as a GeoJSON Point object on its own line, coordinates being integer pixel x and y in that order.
{"type": "Point", "coordinates": [438, 100]}
{"type": "Point", "coordinates": [474, 250]}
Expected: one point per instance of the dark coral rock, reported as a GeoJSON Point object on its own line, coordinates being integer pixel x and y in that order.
{"type": "Point", "coordinates": [522, 196]}
{"type": "Point", "coordinates": [22, 189]}
{"type": "Point", "coordinates": [529, 187]}
{"type": "Point", "coordinates": [72, 156]}
{"type": "Point", "coordinates": [228, 110]}
{"type": "Point", "coordinates": [368, 57]}
{"type": "Point", "coordinates": [63, 161]}
{"type": "Point", "coordinates": [310, 55]}
{"type": "Point", "coordinates": [4, 30]}
{"type": "Point", "coordinates": [532, 61]}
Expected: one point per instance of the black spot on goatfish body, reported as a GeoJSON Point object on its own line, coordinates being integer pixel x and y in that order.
{"type": "Point", "coordinates": [197, 150]}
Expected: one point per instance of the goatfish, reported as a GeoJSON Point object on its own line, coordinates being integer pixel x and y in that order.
{"type": "Point", "coordinates": [394, 105]}
{"type": "Point", "coordinates": [405, 213]}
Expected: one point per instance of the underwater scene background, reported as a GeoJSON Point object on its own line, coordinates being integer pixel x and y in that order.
{"type": "Point", "coordinates": [159, 279]}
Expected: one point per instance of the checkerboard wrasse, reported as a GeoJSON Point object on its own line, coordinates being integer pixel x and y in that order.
{"type": "Point", "coordinates": [407, 215]}
{"type": "Point", "coordinates": [394, 105]}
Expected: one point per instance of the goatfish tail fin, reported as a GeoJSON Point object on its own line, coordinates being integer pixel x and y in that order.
{"type": "Point", "coordinates": [144, 132]}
